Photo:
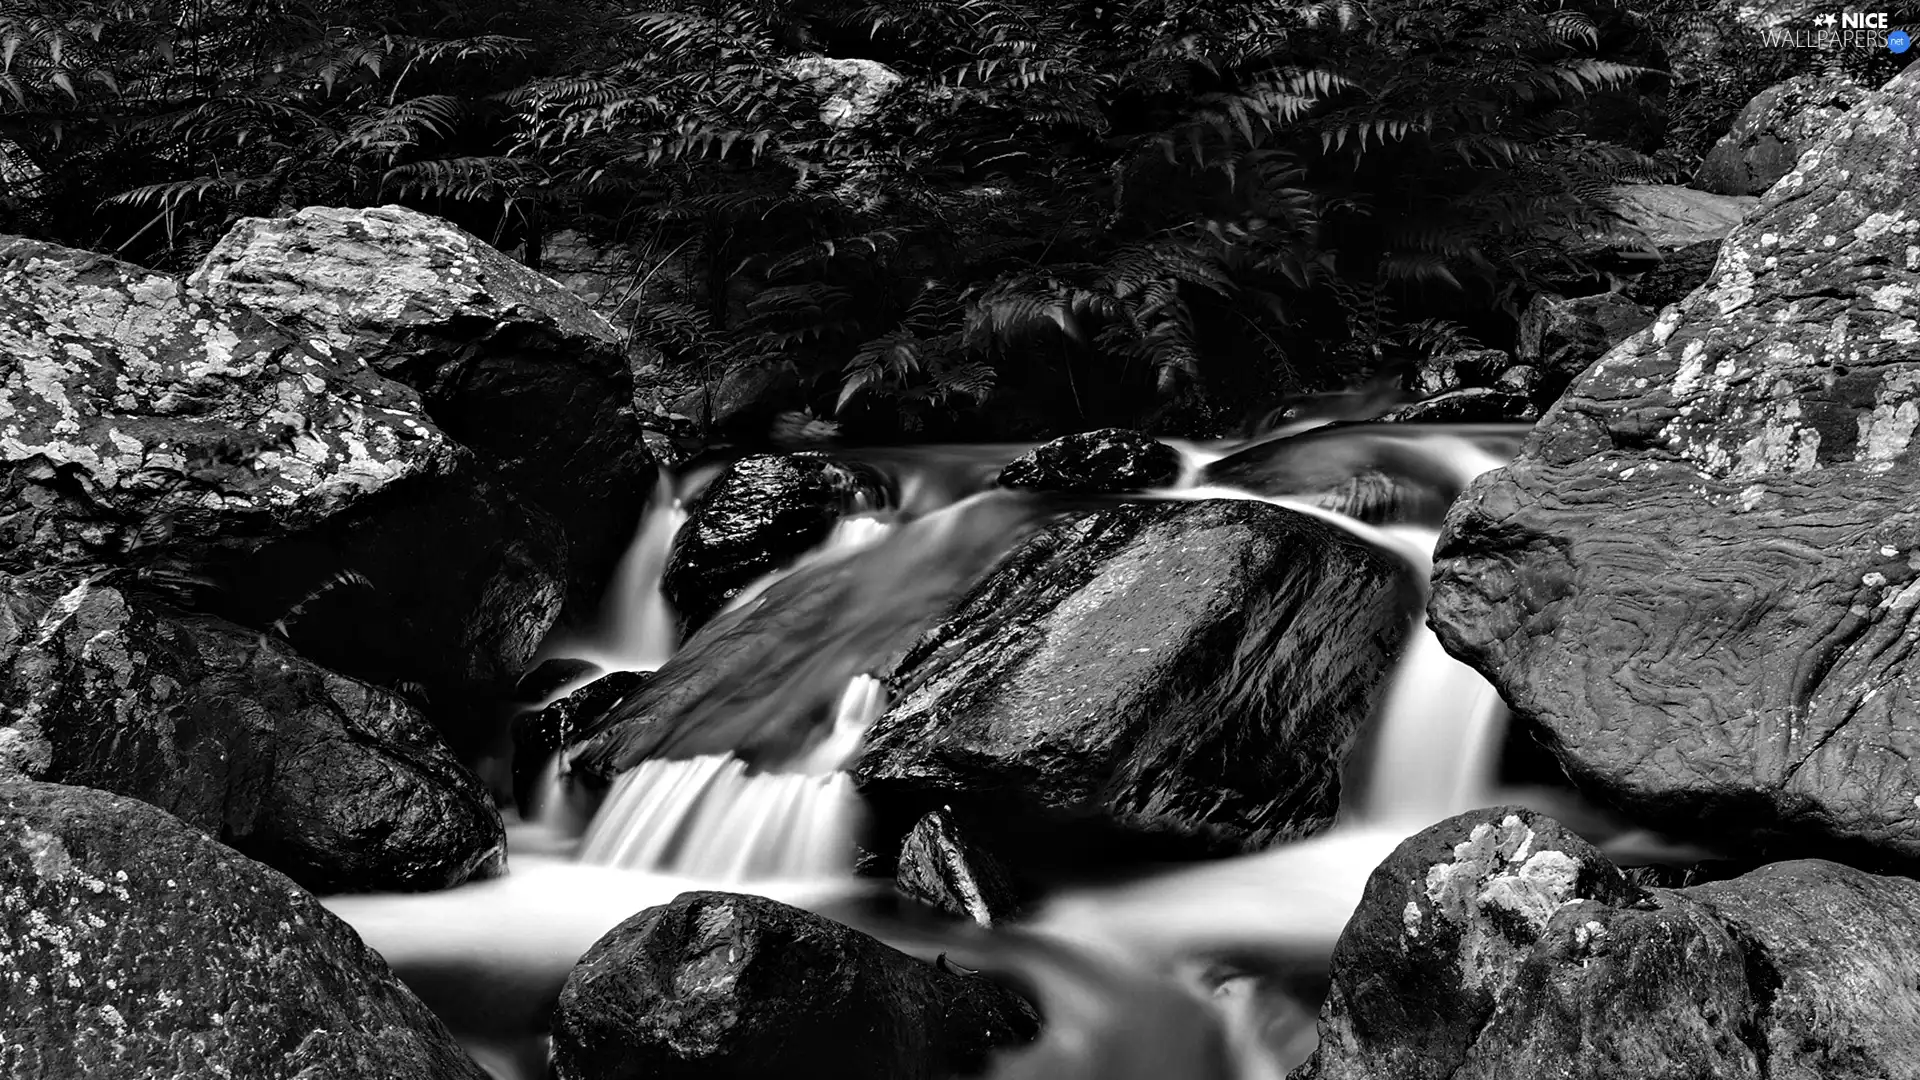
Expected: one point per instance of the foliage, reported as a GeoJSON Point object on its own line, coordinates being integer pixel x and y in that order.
{"type": "Point", "coordinates": [1071, 212]}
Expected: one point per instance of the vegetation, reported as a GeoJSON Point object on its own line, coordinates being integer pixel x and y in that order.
{"type": "Point", "coordinates": [1062, 214]}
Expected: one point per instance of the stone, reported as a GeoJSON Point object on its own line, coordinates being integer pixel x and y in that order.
{"type": "Point", "coordinates": [1667, 216]}
{"type": "Point", "coordinates": [1560, 337]}
{"type": "Point", "coordinates": [280, 481]}
{"type": "Point", "coordinates": [1497, 944]}
{"type": "Point", "coordinates": [942, 868]}
{"type": "Point", "coordinates": [1772, 131]}
{"type": "Point", "coordinates": [1095, 463]}
{"type": "Point", "coordinates": [132, 945]}
{"type": "Point", "coordinates": [1697, 580]}
{"type": "Point", "coordinates": [1679, 271]}
{"type": "Point", "coordinates": [537, 736]}
{"type": "Point", "coordinates": [554, 678]}
{"type": "Point", "coordinates": [763, 512]}
{"type": "Point", "coordinates": [1119, 669]}
{"type": "Point", "coordinates": [1471, 405]}
{"type": "Point", "coordinates": [1520, 380]}
{"type": "Point", "coordinates": [340, 785]}
{"type": "Point", "coordinates": [506, 361]}
{"type": "Point", "coordinates": [851, 90]}
{"type": "Point", "coordinates": [715, 985]}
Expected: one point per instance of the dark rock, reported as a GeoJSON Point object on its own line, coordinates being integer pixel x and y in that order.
{"type": "Point", "coordinates": [1436, 375]}
{"type": "Point", "coordinates": [136, 947]}
{"type": "Point", "coordinates": [1520, 380]}
{"type": "Point", "coordinates": [760, 514]}
{"type": "Point", "coordinates": [507, 361]}
{"type": "Point", "coordinates": [1096, 463]}
{"type": "Point", "coordinates": [939, 867]}
{"type": "Point", "coordinates": [1680, 271]}
{"type": "Point", "coordinates": [1697, 581]}
{"type": "Point", "coordinates": [1770, 134]}
{"type": "Point", "coordinates": [552, 678]}
{"type": "Point", "coordinates": [537, 736]}
{"type": "Point", "coordinates": [1193, 669]}
{"type": "Point", "coordinates": [716, 986]}
{"type": "Point", "coordinates": [340, 785]}
{"type": "Point", "coordinates": [1473, 405]}
{"type": "Point", "coordinates": [205, 450]}
{"type": "Point", "coordinates": [1560, 338]}
{"type": "Point", "coordinates": [1496, 944]}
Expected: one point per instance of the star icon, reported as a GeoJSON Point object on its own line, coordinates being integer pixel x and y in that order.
{"type": "Point", "coordinates": [1826, 19]}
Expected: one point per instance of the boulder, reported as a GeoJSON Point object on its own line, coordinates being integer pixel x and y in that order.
{"type": "Point", "coordinates": [340, 785]}
{"type": "Point", "coordinates": [1770, 134]}
{"type": "Point", "coordinates": [1497, 944]}
{"type": "Point", "coordinates": [1697, 582]}
{"type": "Point", "coordinates": [1665, 217]}
{"type": "Point", "coordinates": [1447, 372]}
{"type": "Point", "coordinates": [1095, 463]}
{"type": "Point", "coordinates": [1189, 669]}
{"type": "Point", "coordinates": [851, 90]}
{"type": "Point", "coordinates": [1471, 405]}
{"type": "Point", "coordinates": [282, 481]}
{"type": "Point", "coordinates": [723, 987]}
{"type": "Point", "coordinates": [762, 513]}
{"type": "Point", "coordinates": [1679, 271]}
{"type": "Point", "coordinates": [137, 947]}
{"type": "Point", "coordinates": [505, 360]}
{"type": "Point", "coordinates": [1560, 337]}
{"type": "Point", "coordinates": [942, 868]}
{"type": "Point", "coordinates": [537, 736]}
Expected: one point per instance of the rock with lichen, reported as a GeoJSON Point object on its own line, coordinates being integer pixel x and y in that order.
{"type": "Point", "coordinates": [1700, 577]}
{"type": "Point", "coordinates": [1498, 944]}
{"type": "Point", "coordinates": [1769, 135]}
{"type": "Point", "coordinates": [507, 362]}
{"type": "Point", "coordinates": [196, 447]}
{"type": "Point", "coordinates": [132, 945]}
{"type": "Point", "coordinates": [340, 785]}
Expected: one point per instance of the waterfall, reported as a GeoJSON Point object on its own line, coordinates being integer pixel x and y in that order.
{"type": "Point", "coordinates": [638, 631]}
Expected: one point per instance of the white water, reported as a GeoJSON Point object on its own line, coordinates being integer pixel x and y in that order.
{"type": "Point", "coordinates": [1132, 969]}
{"type": "Point", "coordinates": [640, 633]}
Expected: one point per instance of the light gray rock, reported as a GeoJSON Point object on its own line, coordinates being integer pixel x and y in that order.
{"type": "Point", "coordinates": [1770, 134]}
{"type": "Point", "coordinates": [851, 90]}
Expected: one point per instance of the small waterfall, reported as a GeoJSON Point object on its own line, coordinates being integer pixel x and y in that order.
{"type": "Point", "coordinates": [714, 818]}
{"type": "Point", "coordinates": [638, 631]}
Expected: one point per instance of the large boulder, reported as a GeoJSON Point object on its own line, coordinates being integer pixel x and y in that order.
{"type": "Point", "coordinates": [1772, 131]}
{"type": "Point", "coordinates": [1697, 582]}
{"type": "Point", "coordinates": [1191, 669]}
{"type": "Point", "coordinates": [340, 785]}
{"type": "Point", "coordinates": [1497, 944]}
{"type": "Point", "coordinates": [1095, 462]}
{"type": "Point", "coordinates": [505, 360]}
{"type": "Point", "coordinates": [1671, 237]}
{"type": "Point", "coordinates": [201, 448]}
{"type": "Point", "coordinates": [723, 987]}
{"type": "Point", "coordinates": [760, 514]}
{"type": "Point", "coordinates": [137, 947]}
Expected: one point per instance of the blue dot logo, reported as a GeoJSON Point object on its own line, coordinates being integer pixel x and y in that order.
{"type": "Point", "coordinates": [1898, 41]}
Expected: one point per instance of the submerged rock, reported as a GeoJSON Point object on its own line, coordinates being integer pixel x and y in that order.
{"type": "Point", "coordinates": [1191, 668]}
{"type": "Point", "coordinates": [1096, 462]}
{"type": "Point", "coordinates": [1497, 944]}
{"type": "Point", "coordinates": [715, 985]}
{"type": "Point", "coordinates": [506, 361]}
{"type": "Point", "coordinates": [134, 946]}
{"type": "Point", "coordinates": [340, 785]}
{"type": "Point", "coordinates": [1770, 134]}
{"type": "Point", "coordinates": [1698, 578]}
{"type": "Point", "coordinates": [1559, 337]}
{"type": "Point", "coordinates": [282, 481]}
{"type": "Point", "coordinates": [941, 868]}
{"type": "Point", "coordinates": [760, 514]}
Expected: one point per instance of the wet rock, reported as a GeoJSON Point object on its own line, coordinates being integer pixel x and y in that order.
{"type": "Point", "coordinates": [537, 736]}
{"type": "Point", "coordinates": [718, 985]}
{"type": "Point", "coordinates": [1697, 581]}
{"type": "Point", "coordinates": [1521, 380]}
{"type": "Point", "coordinates": [284, 482]}
{"type": "Point", "coordinates": [1120, 668]}
{"type": "Point", "coordinates": [1096, 462]}
{"type": "Point", "coordinates": [340, 785]}
{"type": "Point", "coordinates": [553, 678]}
{"type": "Point", "coordinates": [1497, 944]}
{"type": "Point", "coordinates": [760, 514]}
{"type": "Point", "coordinates": [941, 868]}
{"type": "Point", "coordinates": [136, 946]}
{"type": "Point", "coordinates": [506, 361]}
{"type": "Point", "coordinates": [851, 90]}
{"type": "Point", "coordinates": [1474, 404]}
{"type": "Point", "coordinates": [1560, 337]}
{"type": "Point", "coordinates": [1436, 375]}
{"type": "Point", "coordinates": [1772, 131]}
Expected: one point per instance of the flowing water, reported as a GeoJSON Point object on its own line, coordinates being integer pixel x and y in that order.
{"type": "Point", "coordinates": [1193, 973]}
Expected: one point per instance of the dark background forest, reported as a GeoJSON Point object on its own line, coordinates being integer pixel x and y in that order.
{"type": "Point", "coordinates": [1042, 216]}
